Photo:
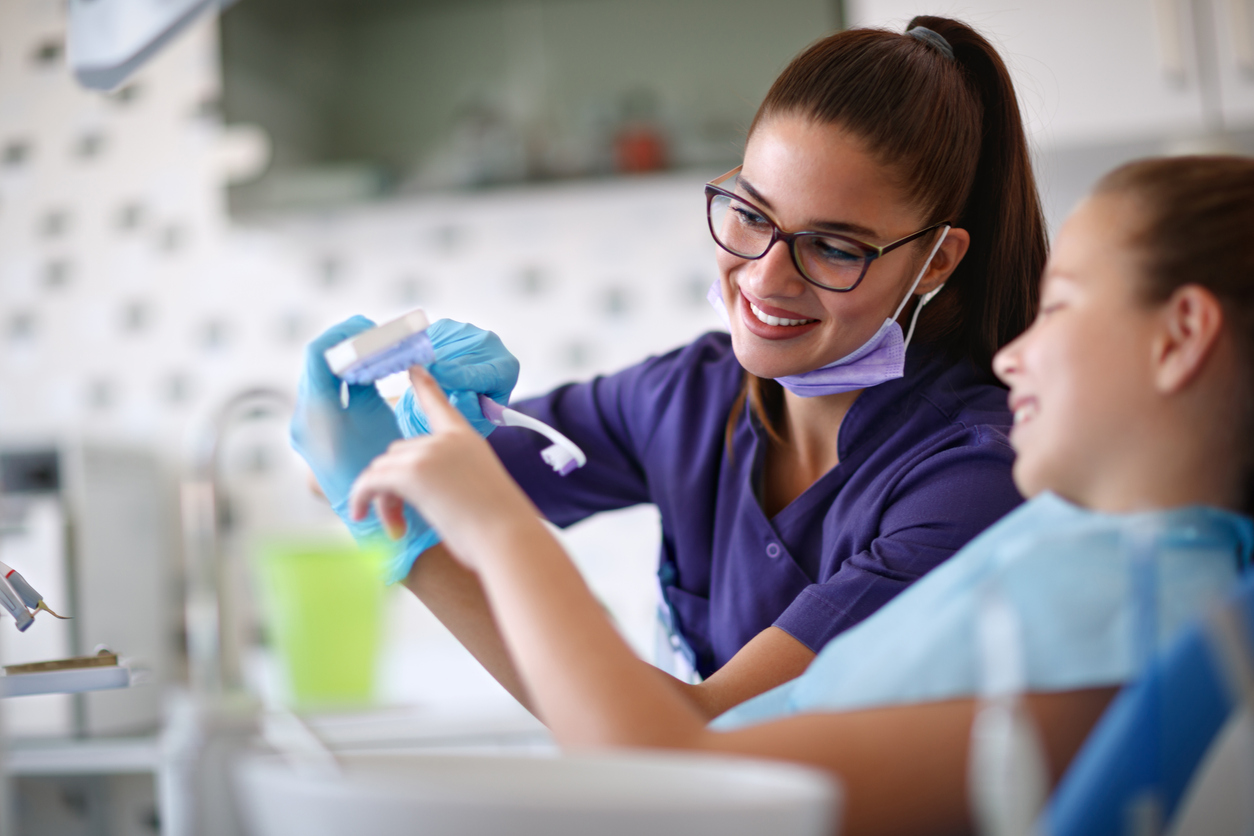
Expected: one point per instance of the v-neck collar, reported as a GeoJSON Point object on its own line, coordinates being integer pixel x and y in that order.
{"type": "Point", "coordinates": [875, 415]}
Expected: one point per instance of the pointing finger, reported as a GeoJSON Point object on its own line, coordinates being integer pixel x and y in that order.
{"type": "Point", "coordinates": [441, 414]}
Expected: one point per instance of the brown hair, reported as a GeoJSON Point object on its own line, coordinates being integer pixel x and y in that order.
{"type": "Point", "coordinates": [950, 131]}
{"type": "Point", "coordinates": [1198, 213]}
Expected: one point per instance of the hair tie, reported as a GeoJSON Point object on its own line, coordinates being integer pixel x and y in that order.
{"type": "Point", "coordinates": [934, 38]}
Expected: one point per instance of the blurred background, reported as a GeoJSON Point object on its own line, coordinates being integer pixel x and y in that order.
{"type": "Point", "coordinates": [532, 166]}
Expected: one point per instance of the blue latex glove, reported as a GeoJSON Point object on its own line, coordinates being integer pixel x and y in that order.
{"type": "Point", "coordinates": [468, 362]}
{"type": "Point", "coordinates": [339, 443]}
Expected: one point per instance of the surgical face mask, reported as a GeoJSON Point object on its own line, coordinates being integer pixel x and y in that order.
{"type": "Point", "coordinates": [878, 360]}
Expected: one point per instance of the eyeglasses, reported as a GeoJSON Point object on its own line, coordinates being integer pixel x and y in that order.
{"type": "Point", "coordinates": [824, 259]}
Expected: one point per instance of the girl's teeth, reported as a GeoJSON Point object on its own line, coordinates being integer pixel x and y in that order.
{"type": "Point", "coordinates": [775, 320]}
{"type": "Point", "coordinates": [1023, 413]}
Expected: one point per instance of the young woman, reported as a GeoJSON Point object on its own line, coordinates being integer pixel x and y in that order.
{"type": "Point", "coordinates": [807, 467]}
{"type": "Point", "coordinates": [1133, 397]}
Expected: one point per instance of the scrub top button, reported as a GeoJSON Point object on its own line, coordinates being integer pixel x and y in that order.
{"type": "Point", "coordinates": [773, 550]}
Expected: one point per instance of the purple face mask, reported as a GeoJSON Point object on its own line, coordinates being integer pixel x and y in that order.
{"type": "Point", "coordinates": [878, 360]}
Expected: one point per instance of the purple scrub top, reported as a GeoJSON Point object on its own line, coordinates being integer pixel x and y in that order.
{"type": "Point", "coordinates": [924, 467]}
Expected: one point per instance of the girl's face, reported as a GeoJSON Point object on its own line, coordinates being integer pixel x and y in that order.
{"type": "Point", "coordinates": [811, 176]}
{"type": "Point", "coordinates": [1081, 377]}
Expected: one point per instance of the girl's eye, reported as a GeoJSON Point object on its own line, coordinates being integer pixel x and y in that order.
{"type": "Point", "coordinates": [1047, 309]}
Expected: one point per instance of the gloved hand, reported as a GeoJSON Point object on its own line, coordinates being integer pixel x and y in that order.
{"type": "Point", "coordinates": [339, 443]}
{"type": "Point", "coordinates": [468, 362]}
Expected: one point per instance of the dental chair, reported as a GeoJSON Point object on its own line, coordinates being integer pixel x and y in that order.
{"type": "Point", "coordinates": [1174, 753]}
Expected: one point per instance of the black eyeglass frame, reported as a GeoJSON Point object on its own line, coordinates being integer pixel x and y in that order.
{"type": "Point", "coordinates": [790, 238]}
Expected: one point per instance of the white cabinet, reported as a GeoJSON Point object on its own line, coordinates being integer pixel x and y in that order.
{"type": "Point", "coordinates": [1108, 71]}
{"type": "Point", "coordinates": [1233, 25]}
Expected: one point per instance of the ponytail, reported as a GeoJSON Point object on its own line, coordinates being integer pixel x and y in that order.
{"type": "Point", "coordinates": [993, 291]}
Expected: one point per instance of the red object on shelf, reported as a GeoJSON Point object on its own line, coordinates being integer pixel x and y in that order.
{"type": "Point", "coordinates": [639, 148]}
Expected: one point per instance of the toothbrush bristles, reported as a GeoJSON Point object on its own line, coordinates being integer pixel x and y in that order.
{"type": "Point", "coordinates": [559, 459]}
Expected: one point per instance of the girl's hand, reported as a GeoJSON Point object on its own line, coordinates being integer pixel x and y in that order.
{"type": "Point", "coordinates": [451, 477]}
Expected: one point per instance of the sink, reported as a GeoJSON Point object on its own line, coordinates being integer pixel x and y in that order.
{"type": "Point", "coordinates": [654, 793]}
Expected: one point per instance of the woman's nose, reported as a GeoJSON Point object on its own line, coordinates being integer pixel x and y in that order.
{"type": "Point", "coordinates": [775, 274]}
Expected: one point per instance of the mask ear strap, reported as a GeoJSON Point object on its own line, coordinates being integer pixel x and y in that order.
{"type": "Point", "coordinates": [926, 297]}
{"type": "Point", "coordinates": [914, 317]}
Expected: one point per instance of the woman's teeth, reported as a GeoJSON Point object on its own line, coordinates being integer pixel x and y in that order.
{"type": "Point", "coordinates": [1023, 413]}
{"type": "Point", "coordinates": [775, 320]}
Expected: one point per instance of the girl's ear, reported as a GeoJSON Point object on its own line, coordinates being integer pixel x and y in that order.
{"type": "Point", "coordinates": [1192, 320]}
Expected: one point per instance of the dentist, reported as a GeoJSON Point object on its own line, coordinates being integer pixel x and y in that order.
{"type": "Point", "coordinates": [880, 242]}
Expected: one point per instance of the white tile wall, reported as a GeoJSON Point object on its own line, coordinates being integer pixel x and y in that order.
{"type": "Point", "coordinates": [109, 218]}
{"type": "Point", "coordinates": [130, 306]}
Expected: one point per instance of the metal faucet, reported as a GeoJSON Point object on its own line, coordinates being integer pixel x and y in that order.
{"type": "Point", "coordinates": [203, 515]}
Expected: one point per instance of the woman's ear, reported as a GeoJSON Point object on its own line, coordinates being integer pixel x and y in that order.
{"type": "Point", "coordinates": [1192, 320]}
{"type": "Point", "coordinates": [946, 260]}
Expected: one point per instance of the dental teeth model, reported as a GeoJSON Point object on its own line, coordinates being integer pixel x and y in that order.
{"type": "Point", "coordinates": [383, 350]}
{"type": "Point", "coordinates": [403, 343]}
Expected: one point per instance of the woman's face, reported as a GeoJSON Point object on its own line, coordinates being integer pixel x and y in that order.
{"type": "Point", "coordinates": [1081, 377]}
{"type": "Point", "coordinates": [811, 176]}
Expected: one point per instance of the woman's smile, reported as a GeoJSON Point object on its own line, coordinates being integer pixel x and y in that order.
{"type": "Point", "coordinates": [772, 323]}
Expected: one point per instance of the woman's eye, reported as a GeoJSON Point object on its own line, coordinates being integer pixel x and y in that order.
{"type": "Point", "coordinates": [836, 251]}
{"type": "Point", "coordinates": [1052, 307]}
{"type": "Point", "coordinates": [748, 217]}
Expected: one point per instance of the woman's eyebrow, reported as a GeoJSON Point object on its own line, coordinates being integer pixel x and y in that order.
{"type": "Point", "coordinates": [822, 226]}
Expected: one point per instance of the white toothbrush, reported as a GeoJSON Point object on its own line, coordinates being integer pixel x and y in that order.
{"type": "Point", "coordinates": [563, 456]}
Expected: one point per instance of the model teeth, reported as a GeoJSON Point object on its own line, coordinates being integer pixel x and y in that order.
{"type": "Point", "coordinates": [775, 320]}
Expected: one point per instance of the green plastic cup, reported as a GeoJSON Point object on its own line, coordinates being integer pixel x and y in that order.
{"type": "Point", "coordinates": [323, 602]}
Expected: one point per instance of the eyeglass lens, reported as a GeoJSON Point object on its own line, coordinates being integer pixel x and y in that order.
{"type": "Point", "coordinates": [828, 260]}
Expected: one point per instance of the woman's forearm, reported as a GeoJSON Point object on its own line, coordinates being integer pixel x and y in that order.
{"type": "Point", "coordinates": [585, 681]}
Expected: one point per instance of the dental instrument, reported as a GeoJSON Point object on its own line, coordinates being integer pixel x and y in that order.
{"type": "Point", "coordinates": [383, 350]}
{"type": "Point", "coordinates": [563, 455]}
{"type": "Point", "coordinates": [26, 592]}
{"type": "Point", "coordinates": [14, 606]}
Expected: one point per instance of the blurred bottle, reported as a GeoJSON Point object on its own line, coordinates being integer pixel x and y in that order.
{"type": "Point", "coordinates": [639, 143]}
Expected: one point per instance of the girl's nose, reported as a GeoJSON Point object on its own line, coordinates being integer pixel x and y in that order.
{"type": "Point", "coordinates": [1007, 362]}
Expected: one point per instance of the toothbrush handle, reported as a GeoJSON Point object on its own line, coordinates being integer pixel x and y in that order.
{"type": "Point", "coordinates": [493, 411]}
{"type": "Point", "coordinates": [503, 416]}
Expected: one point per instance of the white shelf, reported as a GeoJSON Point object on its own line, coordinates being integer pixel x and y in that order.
{"type": "Point", "coordinates": [65, 682]}
{"type": "Point", "coordinates": [124, 755]}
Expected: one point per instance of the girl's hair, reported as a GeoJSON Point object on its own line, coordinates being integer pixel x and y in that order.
{"type": "Point", "coordinates": [949, 131]}
{"type": "Point", "coordinates": [1197, 213]}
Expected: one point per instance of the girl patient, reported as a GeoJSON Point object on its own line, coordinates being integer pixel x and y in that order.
{"type": "Point", "coordinates": [1133, 399]}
